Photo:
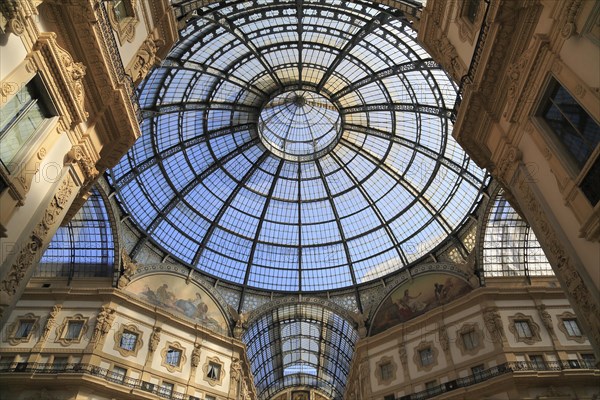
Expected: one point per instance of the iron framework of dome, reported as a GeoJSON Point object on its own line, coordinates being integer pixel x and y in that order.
{"type": "Point", "coordinates": [297, 154]}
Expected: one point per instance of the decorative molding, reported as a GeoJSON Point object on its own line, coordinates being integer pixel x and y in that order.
{"type": "Point", "coordinates": [104, 321]}
{"type": "Point", "coordinates": [154, 339]}
{"type": "Point", "coordinates": [478, 334]}
{"type": "Point", "coordinates": [196, 355]}
{"type": "Point", "coordinates": [569, 27]}
{"type": "Point", "coordinates": [129, 269]}
{"type": "Point", "coordinates": [546, 319]}
{"type": "Point", "coordinates": [561, 326]}
{"type": "Point", "coordinates": [535, 328]}
{"type": "Point", "coordinates": [493, 324]}
{"type": "Point", "coordinates": [61, 330]}
{"type": "Point", "coordinates": [14, 327]}
{"type": "Point", "coordinates": [443, 338]}
{"type": "Point", "coordinates": [219, 379]}
{"type": "Point", "coordinates": [182, 358]}
{"type": "Point", "coordinates": [237, 378]}
{"type": "Point", "coordinates": [575, 288]}
{"type": "Point", "coordinates": [50, 322]}
{"type": "Point", "coordinates": [145, 58]}
{"type": "Point", "coordinates": [77, 155]}
{"type": "Point", "coordinates": [138, 341]}
{"type": "Point", "coordinates": [383, 361]}
{"type": "Point", "coordinates": [32, 248]}
{"type": "Point", "coordinates": [124, 28]}
{"type": "Point", "coordinates": [423, 346]}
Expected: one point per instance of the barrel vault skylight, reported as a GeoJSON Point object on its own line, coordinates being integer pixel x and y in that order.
{"type": "Point", "coordinates": [297, 146]}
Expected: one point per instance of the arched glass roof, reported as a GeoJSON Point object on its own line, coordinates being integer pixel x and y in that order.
{"type": "Point", "coordinates": [84, 247]}
{"type": "Point", "coordinates": [510, 248]}
{"type": "Point", "coordinates": [297, 146]}
{"type": "Point", "coordinates": [300, 345]}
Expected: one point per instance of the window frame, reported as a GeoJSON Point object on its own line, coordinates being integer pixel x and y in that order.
{"type": "Point", "coordinates": [386, 363]}
{"type": "Point", "coordinates": [212, 362]}
{"type": "Point", "coordinates": [38, 96]}
{"type": "Point", "coordinates": [62, 331]}
{"type": "Point", "coordinates": [534, 329]}
{"type": "Point", "coordinates": [577, 173]}
{"type": "Point", "coordinates": [14, 327]}
{"type": "Point", "coordinates": [474, 331]}
{"type": "Point", "coordinates": [418, 356]}
{"type": "Point", "coordinates": [562, 326]}
{"type": "Point", "coordinates": [133, 329]}
{"type": "Point", "coordinates": [169, 348]}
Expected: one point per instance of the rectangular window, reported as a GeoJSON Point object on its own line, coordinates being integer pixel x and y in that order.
{"type": "Point", "coordinates": [60, 363]}
{"type": "Point", "coordinates": [24, 329]}
{"type": "Point", "coordinates": [389, 397]}
{"type": "Point", "coordinates": [477, 372]}
{"type": "Point", "coordinates": [120, 10]}
{"type": "Point", "coordinates": [588, 361]}
{"type": "Point", "coordinates": [572, 327]}
{"type": "Point", "coordinates": [20, 118]}
{"type": "Point", "coordinates": [128, 340]}
{"type": "Point", "coordinates": [386, 371]}
{"type": "Point", "coordinates": [537, 362]}
{"type": "Point", "coordinates": [575, 131]}
{"type": "Point", "coordinates": [426, 356]}
{"type": "Point", "coordinates": [209, 397]}
{"type": "Point", "coordinates": [470, 10]}
{"type": "Point", "coordinates": [430, 385]}
{"type": "Point", "coordinates": [470, 340]}
{"type": "Point", "coordinates": [73, 330]}
{"type": "Point", "coordinates": [214, 371]}
{"type": "Point", "coordinates": [117, 374]}
{"type": "Point", "coordinates": [523, 329]}
{"type": "Point", "coordinates": [166, 389]}
{"type": "Point", "coordinates": [173, 357]}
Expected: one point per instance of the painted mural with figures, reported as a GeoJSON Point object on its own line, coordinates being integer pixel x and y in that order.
{"type": "Point", "coordinates": [413, 298]}
{"type": "Point", "coordinates": [175, 295]}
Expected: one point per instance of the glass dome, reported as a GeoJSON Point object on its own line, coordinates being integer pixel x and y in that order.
{"type": "Point", "coordinates": [297, 146]}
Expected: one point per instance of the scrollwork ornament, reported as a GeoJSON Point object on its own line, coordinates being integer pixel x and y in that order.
{"type": "Point", "coordinates": [41, 153]}
{"type": "Point", "coordinates": [16, 26]}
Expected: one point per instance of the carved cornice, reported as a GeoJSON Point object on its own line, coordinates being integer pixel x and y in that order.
{"type": "Point", "coordinates": [68, 76]}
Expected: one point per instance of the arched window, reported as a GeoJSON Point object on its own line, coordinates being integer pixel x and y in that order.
{"type": "Point", "coordinates": [84, 247]}
{"type": "Point", "coordinates": [510, 247]}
